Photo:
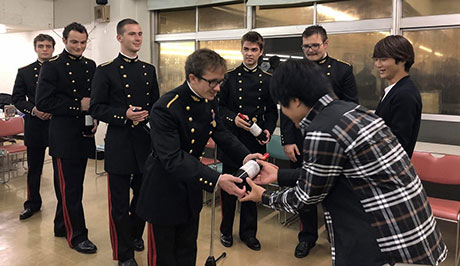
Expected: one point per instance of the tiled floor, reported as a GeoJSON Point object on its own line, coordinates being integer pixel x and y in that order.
{"type": "Point", "coordinates": [31, 242]}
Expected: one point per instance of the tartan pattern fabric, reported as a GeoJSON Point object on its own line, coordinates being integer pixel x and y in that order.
{"type": "Point", "coordinates": [362, 149]}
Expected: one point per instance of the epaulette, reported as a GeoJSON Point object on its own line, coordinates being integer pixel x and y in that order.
{"type": "Point", "coordinates": [147, 63]}
{"type": "Point", "coordinates": [230, 70]}
{"type": "Point", "coordinates": [268, 73]}
{"type": "Point", "coordinates": [341, 61]}
{"type": "Point", "coordinates": [106, 63]}
{"type": "Point", "coordinates": [173, 99]}
{"type": "Point", "coordinates": [54, 58]}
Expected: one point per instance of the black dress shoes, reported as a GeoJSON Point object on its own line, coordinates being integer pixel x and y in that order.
{"type": "Point", "coordinates": [26, 213]}
{"type": "Point", "coordinates": [129, 262]}
{"type": "Point", "coordinates": [226, 240]}
{"type": "Point", "coordinates": [302, 249]}
{"type": "Point", "coordinates": [252, 243]}
{"type": "Point", "coordinates": [86, 246]}
{"type": "Point", "coordinates": [138, 244]}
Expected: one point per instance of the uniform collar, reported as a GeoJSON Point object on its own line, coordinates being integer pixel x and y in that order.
{"type": "Point", "coordinates": [324, 60]}
{"type": "Point", "coordinates": [128, 59]}
{"type": "Point", "coordinates": [316, 109]}
{"type": "Point", "coordinates": [39, 62]}
{"type": "Point", "coordinates": [72, 57]}
{"type": "Point", "coordinates": [194, 95]}
{"type": "Point", "coordinates": [247, 69]}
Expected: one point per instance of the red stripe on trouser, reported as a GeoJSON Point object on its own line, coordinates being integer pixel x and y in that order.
{"type": "Point", "coordinates": [65, 212]}
{"type": "Point", "coordinates": [152, 253]}
{"type": "Point", "coordinates": [28, 190]}
{"type": "Point", "coordinates": [221, 207]}
{"type": "Point", "coordinates": [113, 229]}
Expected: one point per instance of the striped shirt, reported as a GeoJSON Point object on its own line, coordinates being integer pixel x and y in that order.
{"type": "Point", "coordinates": [376, 209]}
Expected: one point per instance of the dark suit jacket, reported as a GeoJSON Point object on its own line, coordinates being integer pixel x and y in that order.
{"type": "Point", "coordinates": [401, 109]}
{"type": "Point", "coordinates": [247, 91]}
{"type": "Point", "coordinates": [117, 86]}
{"type": "Point", "coordinates": [340, 75]}
{"type": "Point", "coordinates": [181, 124]}
{"type": "Point", "coordinates": [64, 80]}
{"type": "Point", "coordinates": [35, 129]}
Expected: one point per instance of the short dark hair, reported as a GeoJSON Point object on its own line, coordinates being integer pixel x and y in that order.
{"type": "Point", "coordinates": [43, 37]}
{"type": "Point", "coordinates": [396, 47]}
{"type": "Point", "coordinates": [204, 60]}
{"type": "Point", "coordinates": [124, 22]}
{"type": "Point", "coordinates": [300, 79]}
{"type": "Point", "coordinates": [315, 29]}
{"type": "Point", "coordinates": [255, 37]}
{"type": "Point", "coordinates": [76, 27]}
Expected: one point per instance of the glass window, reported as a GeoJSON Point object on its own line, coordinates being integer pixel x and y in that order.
{"type": "Point", "coordinates": [354, 10]}
{"type": "Point", "coordinates": [171, 72]}
{"type": "Point", "coordinates": [413, 8]}
{"type": "Point", "coordinates": [436, 70]}
{"type": "Point", "coordinates": [222, 17]}
{"type": "Point", "coordinates": [283, 16]}
{"type": "Point", "coordinates": [228, 49]}
{"type": "Point", "coordinates": [177, 21]}
{"type": "Point", "coordinates": [355, 49]}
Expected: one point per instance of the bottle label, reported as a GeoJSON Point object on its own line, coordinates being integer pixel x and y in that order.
{"type": "Point", "coordinates": [252, 168]}
{"type": "Point", "coordinates": [88, 121]}
{"type": "Point", "coordinates": [255, 130]}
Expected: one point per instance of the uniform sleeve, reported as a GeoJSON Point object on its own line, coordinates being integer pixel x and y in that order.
{"type": "Point", "coordinates": [405, 110]}
{"type": "Point", "coordinates": [19, 95]}
{"type": "Point", "coordinates": [167, 148]}
{"type": "Point", "coordinates": [349, 90]}
{"type": "Point", "coordinates": [48, 99]}
{"type": "Point", "coordinates": [100, 107]}
{"type": "Point", "coordinates": [322, 164]}
{"type": "Point", "coordinates": [271, 115]}
{"type": "Point", "coordinates": [227, 115]}
{"type": "Point", "coordinates": [155, 94]}
{"type": "Point", "coordinates": [287, 129]}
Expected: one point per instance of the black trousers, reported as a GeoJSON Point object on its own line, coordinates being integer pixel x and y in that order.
{"type": "Point", "coordinates": [68, 185]}
{"type": "Point", "coordinates": [173, 245]}
{"type": "Point", "coordinates": [248, 215]}
{"type": "Point", "coordinates": [35, 159]}
{"type": "Point", "coordinates": [308, 217]}
{"type": "Point", "coordinates": [124, 224]}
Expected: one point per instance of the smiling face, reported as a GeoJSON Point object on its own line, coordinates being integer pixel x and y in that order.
{"type": "Point", "coordinates": [208, 85]}
{"type": "Point", "coordinates": [389, 70]}
{"type": "Point", "coordinates": [251, 53]}
{"type": "Point", "coordinates": [317, 49]}
{"type": "Point", "coordinates": [44, 50]}
{"type": "Point", "coordinates": [76, 42]}
{"type": "Point", "coordinates": [131, 39]}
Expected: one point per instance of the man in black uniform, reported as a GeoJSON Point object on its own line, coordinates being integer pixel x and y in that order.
{"type": "Point", "coordinates": [63, 89]}
{"type": "Point", "coordinates": [171, 198]}
{"type": "Point", "coordinates": [124, 90]}
{"type": "Point", "coordinates": [36, 122]}
{"type": "Point", "coordinates": [245, 92]}
{"type": "Point", "coordinates": [340, 75]}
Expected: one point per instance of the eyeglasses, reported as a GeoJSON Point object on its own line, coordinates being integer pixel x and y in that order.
{"type": "Point", "coordinates": [213, 82]}
{"type": "Point", "coordinates": [313, 46]}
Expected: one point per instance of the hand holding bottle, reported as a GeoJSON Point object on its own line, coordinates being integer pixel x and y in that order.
{"type": "Point", "coordinates": [250, 169]}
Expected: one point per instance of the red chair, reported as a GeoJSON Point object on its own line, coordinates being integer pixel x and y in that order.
{"type": "Point", "coordinates": [11, 127]}
{"type": "Point", "coordinates": [211, 162]}
{"type": "Point", "coordinates": [443, 170]}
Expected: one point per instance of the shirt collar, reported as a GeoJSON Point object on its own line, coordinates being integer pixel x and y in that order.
{"type": "Point", "coordinates": [128, 59]}
{"type": "Point", "coordinates": [194, 92]}
{"type": "Point", "coordinates": [316, 109]}
{"type": "Point", "coordinates": [71, 56]}
{"type": "Point", "coordinates": [323, 60]}
{"type": "Point", "coordinates": [247, 69]}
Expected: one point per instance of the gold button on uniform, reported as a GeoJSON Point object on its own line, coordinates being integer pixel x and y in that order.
{"type": "Point", "coordinates": [190, 151]}
{"type": "Point", "coordinates": [328, 73]}
{"type": "Point", "coordinates": [240, 98]}
{"type": "Point", "coordinates": [240, 81]}
{"type": "Point", "coordinates": [67, 64]}
{"type": "Point", "coordinates": [210, 132]}
{"type": "Point", "coordinates": [328, 66]}
{"type": "Point", "coordinates": [148, 93]}
{"type": "Point", "coordinates": [147, 83]}
{"type": "Point", "coordinates": [190, 119]}
{"type": "Point", "coordinates": [240, 106]}
{"type": "Point", "coordinates": [192, 130]}
{"type": "Point", "coordinates": [127, 85]}
{"type": "Point", "coordinates": [125, 76]}
{"type": "Point", "coordinates": [70, 73]}
{"type": "Point", "coordinates": [74, 90]}
{"type": "Point", "coordinates": [145, 73]}
{"type": "Point", "coordinates": [73, 81]}
{"type": "Point", "coordinates": [36, 75]}
{"type": "Point", "coordinates": [121, 67]}
{"type": "Point", "coordinates": [35, 69]}
{"type": "Point", "coordinates": [240, 89]}
{"type": "Point", "coordinates": [193, 141]}
{"type": "Point", "coordinates": [129, 95]}
{"type": "Point", "coordinates": [206, 181]}
{"type": "Point", "coordinates": [239, 74]}
{"type": "Point", "coordinates": [260, 75]}
{"type": "Point", "coordinates": [201, 179]}
{"type": "Point", "coordinates": [187, 108]}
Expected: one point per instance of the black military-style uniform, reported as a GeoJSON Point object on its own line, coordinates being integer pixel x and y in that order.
{"type": "Point", "coordinates": [118, 85]}
{"type": "Point", "coordinates": [245, 91]}
{"type": "Point", "coordinates": [343, 83]}
{"type": "Point", "coordinates": [64, 80]}
{"type": "Point", "coordinates": [171, 195]}
{"type": "Point", "coordinates": [35, 131]}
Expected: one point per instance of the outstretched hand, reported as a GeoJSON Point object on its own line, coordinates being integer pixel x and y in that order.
{"type": "Point", "coordinates": [255, 194]}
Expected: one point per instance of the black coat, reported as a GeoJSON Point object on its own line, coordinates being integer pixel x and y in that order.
{"type": "Point", "coordinates": [64, 80]}
{"type": "Point", "coordinates": [340, 74]}
{"type": "Point", "coordinates": [401, 109]}
{"type": "Point", "coordinates": [118, 85]}
{"type": "Point", "coordinates": [35, 129]}
{"type": "Point", "coordinates": [247, 91]}
{"type": "Point", "coordinates": [181, 124]}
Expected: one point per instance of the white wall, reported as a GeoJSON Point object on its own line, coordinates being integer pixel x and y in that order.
{"type": "Point", "coordinates": [31, 14]}
{"type": "Point", "coordinates": [16, 49]}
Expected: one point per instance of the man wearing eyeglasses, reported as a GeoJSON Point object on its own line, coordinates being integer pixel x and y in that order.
{"type": "Point", "coordinates": [171, 198]}
{"type": "Point", "coordinates": [340, 74]}
{"type": "Point", "coordinates": [245, 92]}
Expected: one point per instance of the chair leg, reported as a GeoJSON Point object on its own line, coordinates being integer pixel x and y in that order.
{"type": "Point", "coordinates": [457, 256]}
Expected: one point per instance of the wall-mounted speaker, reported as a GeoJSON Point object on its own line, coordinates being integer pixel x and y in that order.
{"type": "Point", "coordinates": [101, 2]}
{"type": "Point", "coordinates": [102, 13]}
